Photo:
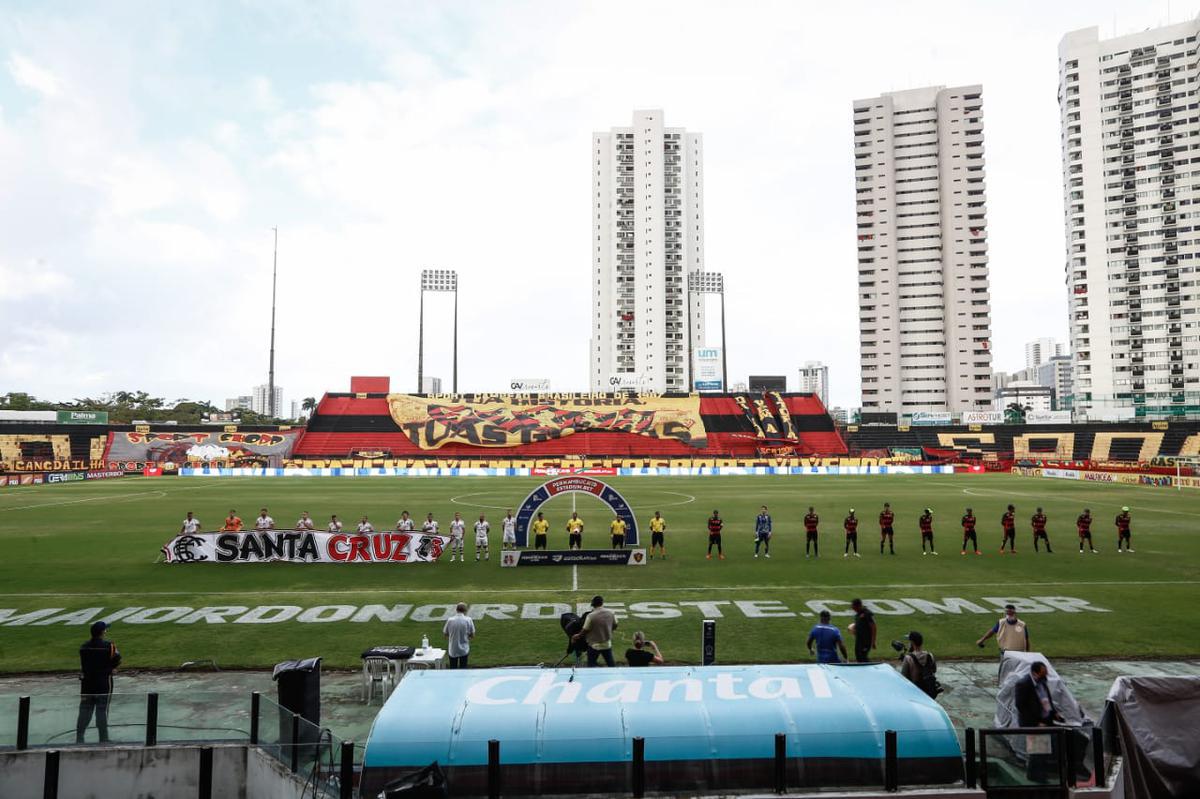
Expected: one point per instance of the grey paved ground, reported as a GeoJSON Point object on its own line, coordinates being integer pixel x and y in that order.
{"type": "Point", "coordinates": [216, 704]}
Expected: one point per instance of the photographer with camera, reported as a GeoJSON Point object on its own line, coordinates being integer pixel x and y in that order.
{"type": "Point", "coordinates": [643, 652]}
{"type": "Point", "coordinates": [918, 666]}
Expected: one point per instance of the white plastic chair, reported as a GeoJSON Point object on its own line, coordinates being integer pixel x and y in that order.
{"type": "Point", "coordinates": [377, 671]}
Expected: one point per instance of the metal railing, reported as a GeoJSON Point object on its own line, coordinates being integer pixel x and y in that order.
{"type": "Point", "coordinates": [314, 754]}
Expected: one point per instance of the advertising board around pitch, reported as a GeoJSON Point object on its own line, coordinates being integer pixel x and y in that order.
{"type": "Point", "coordinates": [574, 557]}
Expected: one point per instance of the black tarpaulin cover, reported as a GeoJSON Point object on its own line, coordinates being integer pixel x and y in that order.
{"type": "Point", "coordinates": [1158, 725]}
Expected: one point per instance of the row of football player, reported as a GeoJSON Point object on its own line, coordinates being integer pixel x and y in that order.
{"type": "Point", "coordinates": [970, 542]}
{"type": "Point", "coordinates": [763, 529]}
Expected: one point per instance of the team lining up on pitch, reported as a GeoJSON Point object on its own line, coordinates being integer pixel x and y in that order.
{"type": "Point", "coordinates": [763, 531]}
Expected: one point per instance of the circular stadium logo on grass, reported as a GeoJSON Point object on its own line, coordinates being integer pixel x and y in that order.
{"type": "Point", "coordinates": [575, 484]}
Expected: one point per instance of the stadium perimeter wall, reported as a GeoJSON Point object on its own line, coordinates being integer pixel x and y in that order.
{"type": "Point", "coordinates": [466, 471]}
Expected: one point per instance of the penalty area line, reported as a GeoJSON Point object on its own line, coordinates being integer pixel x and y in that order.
{"type": "Point", "coordinates": [657, 590]}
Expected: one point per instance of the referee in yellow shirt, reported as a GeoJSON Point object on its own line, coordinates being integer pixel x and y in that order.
{"type": "Point", "coordinates": [540, 528]}
{"type": "Point", "coordinates": [574, 531]}
{"type": "Point", "coordinates": [618, 533]}
{"type": "Point", "coordinates": [658, 526]}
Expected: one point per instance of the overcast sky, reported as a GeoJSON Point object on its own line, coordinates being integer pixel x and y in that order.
{"type": "Point", "coordinates": [147, 149]}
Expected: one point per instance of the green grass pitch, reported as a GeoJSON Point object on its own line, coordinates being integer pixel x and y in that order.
{"type": "Point", "coordinates": [91, 548]}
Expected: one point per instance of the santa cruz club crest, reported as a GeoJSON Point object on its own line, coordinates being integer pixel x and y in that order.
{"type": "Point", "coordinates": [182, 546]}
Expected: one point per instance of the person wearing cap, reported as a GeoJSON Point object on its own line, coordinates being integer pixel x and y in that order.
{"type": "Point", "coordinates": [1123, 536]}
{"type": "Point", "coordinates": [597, 632]}
{"type": "Point", "coordinates": [850, 524]}
{"type": "Point", "coordinates": [1010, 632]}
{"type": "Point", "coordinates": [98, 659]}
{"type": "Point", "coordinates": [828, 639]}
{"type": "Point", "coordinates": [926, 525]}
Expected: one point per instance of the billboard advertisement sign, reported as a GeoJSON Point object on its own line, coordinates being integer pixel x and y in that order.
{"type": "Point", "coordinates": [82, 417]}
{"type": "Point", "coordinates": [706, 369]}
{"type": "Point", "coordinates": [539, 385]}
{"type": "Point", "coordinates": [1047, 417]}
{"type": "Point", "coordinates": [932, 418]}
{"type": "Point", "coordinates": [983, 417]}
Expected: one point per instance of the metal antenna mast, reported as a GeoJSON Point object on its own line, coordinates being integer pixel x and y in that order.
{"type": "Point", "coordinates": [271, 409]}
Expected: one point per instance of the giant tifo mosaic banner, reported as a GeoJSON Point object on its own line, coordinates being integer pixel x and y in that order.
{"type": "Point", "coordinates": [268, 448]}
{"type": "Point", "coordinates": [509, 420]}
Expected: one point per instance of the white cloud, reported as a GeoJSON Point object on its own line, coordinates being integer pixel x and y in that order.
{"type": "Point", "coordinates": [29, 75]}
{"type": "Point", "coordinates": [382, 138]}
{"type": "Point", "coordinates": [32, 279]}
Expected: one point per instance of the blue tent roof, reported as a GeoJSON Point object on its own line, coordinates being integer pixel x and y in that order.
{"type": "Point", "coordinates": [684, 713]}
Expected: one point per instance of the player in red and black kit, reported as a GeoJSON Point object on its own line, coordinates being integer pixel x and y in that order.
{"type": "Point", "coordinates": [1008, 522]}
{"type": "Point", "coordinates": [810, 532]}
{"type": "Point", "coordinates": [1123, 522]}
{"type": "Point", "coordinates": [851, 525]}
{"type": "Point", "coordinates": [714, 535]}
{"type": "Point", "coordinates": [926, 523]}
{"type": "Point", "coordinates": [1084, 525]}
{"type": "Point", "coordinates": [968, 525]}
{"type": "Point", "coordinates": [1039, 531]}
{"type": "Point", "coordinates": [886, 533]}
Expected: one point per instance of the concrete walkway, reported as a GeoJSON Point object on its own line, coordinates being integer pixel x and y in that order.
{"type": "Point", "coordinates": [208, 704]}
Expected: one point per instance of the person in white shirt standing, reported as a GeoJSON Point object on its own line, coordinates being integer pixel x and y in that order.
{"type": "Point", "coordinates": [335, 526]}
{"type": "Point", "coordinates": [405, 525]}
{"type": "Point", "coordinates": [508, 526]}
{"type": "Point", "coordinates": [459, 629]}
{"type": "Point", "coordinates": [482, 528]}
{"type": "Point", "coordinates": [305, 522]}
{"type": "Point", "coordinates": [191, 525]}
{"type": "Point", "coordinates": [365, 527]}
{"type": "Point", "coordinates": [458, 528]}
{"type": "Point", "coordinates": [264, 522]}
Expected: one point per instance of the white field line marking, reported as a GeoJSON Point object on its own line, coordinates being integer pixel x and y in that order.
{"type": "Point", "coordinates": [659, 590]}
{"type": "Point", "coordinates": [111, 498]}
{"type": "Point", "coordinates": [1091, 489]}
{"type": "Point", "coordinates": [575, 577]}
{"type": "Point", "coordinates": [114, 497]}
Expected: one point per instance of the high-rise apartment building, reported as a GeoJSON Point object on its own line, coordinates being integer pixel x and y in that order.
{"type": "Point", "coordinates": [647, 235]}
{"type": "Point", "coordinates": [260, 403]}
{"type": "Point", "coordinates": [1040, 350]}
{"type": "Point", "coordinates": [924, 302]}
{"type": "Point", "coordinates": [1130, 191]}
{"type": "Point", "coordinates": [814, 379]}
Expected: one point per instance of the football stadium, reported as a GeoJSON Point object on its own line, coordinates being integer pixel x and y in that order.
{"type": "Point", "coordinates": [228, 553]}
{"type": "Point", "coordinates": [800, 446]}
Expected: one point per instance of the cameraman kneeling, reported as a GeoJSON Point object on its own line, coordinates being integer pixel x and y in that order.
{"type": "Point", "coordinates": [919, 666]}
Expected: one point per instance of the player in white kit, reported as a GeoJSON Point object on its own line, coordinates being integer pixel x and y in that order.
{"type": "Point", "coordinates": [365, 527]}
{"type": "Point", "coordinates": [305, 522]}
{"type": "Point", "coordinates": [508, 526]}
{"type": "Point", "coordinates": [335, 526]}
{"type": "Point", "coordinates": [458, 527]}
{"type": "Point", "coordinates": [264, 522]}
{"type": "Point", "coordinates": [430, 527]}
{"type": "Point", "coordinates": [406, 524]}
{"type": "Point", "coordinates": [482, 528]}
{"type": "Point", "coordinates": [191, 525]}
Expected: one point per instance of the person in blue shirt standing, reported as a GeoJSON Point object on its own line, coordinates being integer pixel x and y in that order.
{"type": "Point", "coordinates": [828, 640]}
{"type": "Point", "coordinates": [762, 532]}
